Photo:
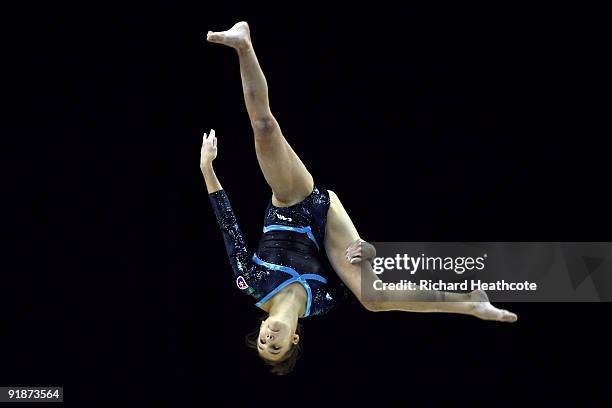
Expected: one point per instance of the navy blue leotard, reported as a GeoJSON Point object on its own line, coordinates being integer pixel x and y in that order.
{"type": "Point", "coordinates": [288, 251]}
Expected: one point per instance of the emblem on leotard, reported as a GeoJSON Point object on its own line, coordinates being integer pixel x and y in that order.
{"type": "Point", "coordinates": [282, 217]}
{"type": "Point", "coordinates": [241, 283]}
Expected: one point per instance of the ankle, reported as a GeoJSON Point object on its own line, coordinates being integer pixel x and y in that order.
{"type": "Point", "coordinates": [244, 48]}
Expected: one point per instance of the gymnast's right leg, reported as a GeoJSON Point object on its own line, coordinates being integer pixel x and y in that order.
{"type": "Point", "coordinates": [285, 173]}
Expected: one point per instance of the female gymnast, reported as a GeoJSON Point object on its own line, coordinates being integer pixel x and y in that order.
{"type": "Point", "coordinates": [284, 274]}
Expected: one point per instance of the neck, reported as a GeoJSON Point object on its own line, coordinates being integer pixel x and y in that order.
{"type": "Point", "coordinates": [287, 308]}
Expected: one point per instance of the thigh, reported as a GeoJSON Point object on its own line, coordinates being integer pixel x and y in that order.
{"type": "Point", "coordinates": [283, 169]}
{"type": "Point", "coordinates": [339, 234]}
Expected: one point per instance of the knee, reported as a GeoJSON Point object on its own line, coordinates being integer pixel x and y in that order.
{"type": "Point", "coordinates": [375, 302]}
{"type": "Point", "coordinates": [265, 127]}
{"type": "Point", "coordinates": [372, 305]}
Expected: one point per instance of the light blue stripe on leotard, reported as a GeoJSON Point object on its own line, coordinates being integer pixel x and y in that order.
{"type": "Point", "coordinates": [276, 267]}
{"type": "Point", "coordinates": [295, 277]}
{"type": "Point", "coordinates": [303, 230]}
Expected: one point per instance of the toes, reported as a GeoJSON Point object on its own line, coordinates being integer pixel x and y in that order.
{"type": "Point", "coordinates": [214, 37]}
{"type": "Point", "coordinates": [489, 312]}
{"type": "Point", "coordinates": [506, 316]}
{"type": "Point", "coordinates": [509, 317]}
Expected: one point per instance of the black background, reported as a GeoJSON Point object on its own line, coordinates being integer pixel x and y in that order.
{"type": "Point", "coordinates": [438, 123]}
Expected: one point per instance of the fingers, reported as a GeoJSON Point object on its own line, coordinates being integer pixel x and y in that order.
{"type": "Point", "coordinates": [210, 139]}
{"type": "Point", "coordinates": [214, 138]}
{"type": "Point", "coordinates": [356, 259]}
{"type": "Point", "coordinates": [355, 246]}
{"type": "Point", "coordinates": [205, 142]}
{"type": "Point", "coordinates": [353, 253]}
{"type": "Point", "coordinates": [350, 253]}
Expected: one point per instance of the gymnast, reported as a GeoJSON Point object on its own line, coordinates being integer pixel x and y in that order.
{"type": "Point", "coordinates": [284, 273]}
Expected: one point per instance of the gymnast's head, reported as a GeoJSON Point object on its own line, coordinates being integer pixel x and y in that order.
{"type": "Point", "coordinates": [278, 343]}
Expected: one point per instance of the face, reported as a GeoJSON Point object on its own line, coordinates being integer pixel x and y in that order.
{"type": "Point", "coordinates": [275, 339]}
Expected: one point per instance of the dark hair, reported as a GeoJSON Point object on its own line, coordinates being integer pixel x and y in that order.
{"type": "Point", "coordinates": [286, 365]}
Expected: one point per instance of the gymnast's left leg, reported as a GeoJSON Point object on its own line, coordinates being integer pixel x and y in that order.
{"type": "Point", "coordinates": [283, 170]}
{"type": "Point", "coordinates": [340, 234]}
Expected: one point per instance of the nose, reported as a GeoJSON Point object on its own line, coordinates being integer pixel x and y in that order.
{"type": "Point", "coordinates": [270, 336]}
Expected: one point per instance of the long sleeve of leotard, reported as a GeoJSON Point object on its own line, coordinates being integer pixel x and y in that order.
{"type": "Point", "coordinates": [235, 244]}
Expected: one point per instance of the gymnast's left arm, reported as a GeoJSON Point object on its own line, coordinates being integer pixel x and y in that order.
{"type": "Point", "coordinates": [207, 155]}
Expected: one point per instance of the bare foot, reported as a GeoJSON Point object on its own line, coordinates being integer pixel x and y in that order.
{"type": "Point", "coordinates": [483, 309]}
{"type": "Point", "coordinates": [237, 37]}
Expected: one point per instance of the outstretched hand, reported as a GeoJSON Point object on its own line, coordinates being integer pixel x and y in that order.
{"type": "Point", "coordinates": [209, 149]}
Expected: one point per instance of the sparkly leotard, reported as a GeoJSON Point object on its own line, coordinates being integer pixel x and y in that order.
{"type": "Point", "coordinates": [288, 251]}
